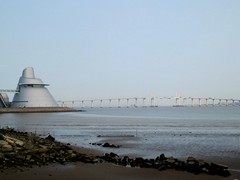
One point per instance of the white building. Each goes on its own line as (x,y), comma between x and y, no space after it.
(32,92)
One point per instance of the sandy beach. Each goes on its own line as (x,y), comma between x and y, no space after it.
(104,171)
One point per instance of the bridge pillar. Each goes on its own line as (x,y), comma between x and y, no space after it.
(206,101)
(110,100)
(119,103)
(136,99)
(226,102)
(192,101)
(200,102)
(220,101)
(152,101)
(143,102)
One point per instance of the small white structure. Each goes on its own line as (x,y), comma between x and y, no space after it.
(31,92)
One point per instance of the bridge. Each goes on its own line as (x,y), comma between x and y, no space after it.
(3,100)
(155,101)
(8,91)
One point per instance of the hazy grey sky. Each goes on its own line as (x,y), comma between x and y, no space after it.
(123,48)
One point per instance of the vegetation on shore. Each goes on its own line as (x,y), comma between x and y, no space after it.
(19,149)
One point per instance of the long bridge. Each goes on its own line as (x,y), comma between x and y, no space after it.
(155,101)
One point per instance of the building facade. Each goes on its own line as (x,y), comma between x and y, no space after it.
(32,92)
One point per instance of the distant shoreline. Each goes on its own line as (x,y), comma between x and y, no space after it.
(38,110)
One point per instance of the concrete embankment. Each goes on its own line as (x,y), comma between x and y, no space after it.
(37,110)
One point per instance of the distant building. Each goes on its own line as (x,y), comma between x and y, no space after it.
(32,92)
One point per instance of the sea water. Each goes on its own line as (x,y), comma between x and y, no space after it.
(201,132)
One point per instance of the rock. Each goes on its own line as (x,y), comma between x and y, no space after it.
(113,155)
(201,163)
(218,169)
(19,143)
(162,157)
(1,155)
(7,148)
(171,160)
(125,161)
(1,137)
(191,159)
(28,146)
(9,141)
(106,145)
(2,143)
(138,162)
(43,146)
(110,145)
(219,166)
(50,138)
(28,157)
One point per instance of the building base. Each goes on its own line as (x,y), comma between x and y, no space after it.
(38,110)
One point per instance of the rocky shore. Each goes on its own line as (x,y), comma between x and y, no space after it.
(18,149)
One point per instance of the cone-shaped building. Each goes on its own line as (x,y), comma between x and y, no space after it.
(31,92)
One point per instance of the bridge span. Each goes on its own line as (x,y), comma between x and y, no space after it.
(155,101)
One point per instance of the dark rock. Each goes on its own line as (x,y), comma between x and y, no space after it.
(110,145)
(162,157)
(219,166)
(113,155)
(219,169)
(50,138)
(1,137)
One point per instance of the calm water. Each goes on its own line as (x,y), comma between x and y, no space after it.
(176,131)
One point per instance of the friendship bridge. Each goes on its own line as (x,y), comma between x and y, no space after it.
(177,101)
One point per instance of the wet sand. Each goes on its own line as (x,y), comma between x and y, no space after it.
(105,171)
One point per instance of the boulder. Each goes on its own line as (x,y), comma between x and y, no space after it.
(219,166)
(113,155)
(191,159)
(19,143)
(2,143)
(6,148)
(50,138)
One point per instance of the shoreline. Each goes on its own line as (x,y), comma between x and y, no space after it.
(104,171)
(38,110)
(86,166)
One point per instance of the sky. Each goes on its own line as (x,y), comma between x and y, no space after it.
(123,48)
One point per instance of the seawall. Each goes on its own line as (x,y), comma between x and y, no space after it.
(37,110)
